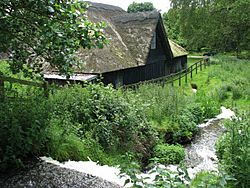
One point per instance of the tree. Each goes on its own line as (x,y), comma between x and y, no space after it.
(34,33)
(171,21)
(140,7)
(220,24)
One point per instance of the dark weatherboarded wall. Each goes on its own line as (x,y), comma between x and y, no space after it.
(158,64)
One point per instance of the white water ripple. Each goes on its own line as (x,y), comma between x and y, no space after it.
(201,152)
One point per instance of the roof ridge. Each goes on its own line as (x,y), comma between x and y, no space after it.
(98,6)
(137,16)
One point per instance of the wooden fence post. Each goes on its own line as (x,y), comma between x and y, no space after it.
(191,73)
(200,65)
(179,79)
(172,81)
(2,94)
(196,68)
(186,77)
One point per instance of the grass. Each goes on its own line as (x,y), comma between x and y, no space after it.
(191,61)
(225,71)
(172,112)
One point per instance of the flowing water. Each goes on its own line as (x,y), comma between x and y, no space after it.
(200,154)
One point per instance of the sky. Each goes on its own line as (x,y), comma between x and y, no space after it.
(162,5)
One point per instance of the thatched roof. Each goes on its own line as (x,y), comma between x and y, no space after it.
(130,37)
(177,50)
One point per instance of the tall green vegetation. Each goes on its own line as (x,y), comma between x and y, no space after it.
(233,150)
(106,116)
(175,115)
(114,126)
(140,7)
(23,124)
(217,24)
(226,82)
(74,123)
(35,32)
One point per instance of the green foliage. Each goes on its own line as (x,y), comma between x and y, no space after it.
(162,178)
(210,107)
(46,31)
(187,121)
(64,144)
(173,115)
(112,120)
(22,129)
(209,179)
(217,24)
(162,101)
(140,7)
(75,123)
(171,21)
(169,154)
(233,150)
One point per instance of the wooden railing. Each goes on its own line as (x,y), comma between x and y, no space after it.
(169,79)
(4,79)
(200,65)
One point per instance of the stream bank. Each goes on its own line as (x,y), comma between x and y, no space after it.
(200,155)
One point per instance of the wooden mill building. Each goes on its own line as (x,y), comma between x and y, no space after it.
(138,49)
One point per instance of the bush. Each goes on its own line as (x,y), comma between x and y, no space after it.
(209,179)
(64,144)
(22,129)
(169,154)
(210,107)
(237,92)
(233,150)
(114,120)
(74,123)
(162,101)
(187,121)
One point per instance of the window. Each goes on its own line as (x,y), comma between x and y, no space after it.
(153,42)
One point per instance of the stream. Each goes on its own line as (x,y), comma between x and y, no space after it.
(200,155)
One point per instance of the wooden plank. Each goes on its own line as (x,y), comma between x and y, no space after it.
(23,82)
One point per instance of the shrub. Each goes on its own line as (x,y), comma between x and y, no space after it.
(160,176)
(210,107)
(22,129)
(64,144)
(169,154)
(195,111)
(163,101)
(237,92)
(115,121)
(222,93)
(187,121)
(209,179)
(233,150)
